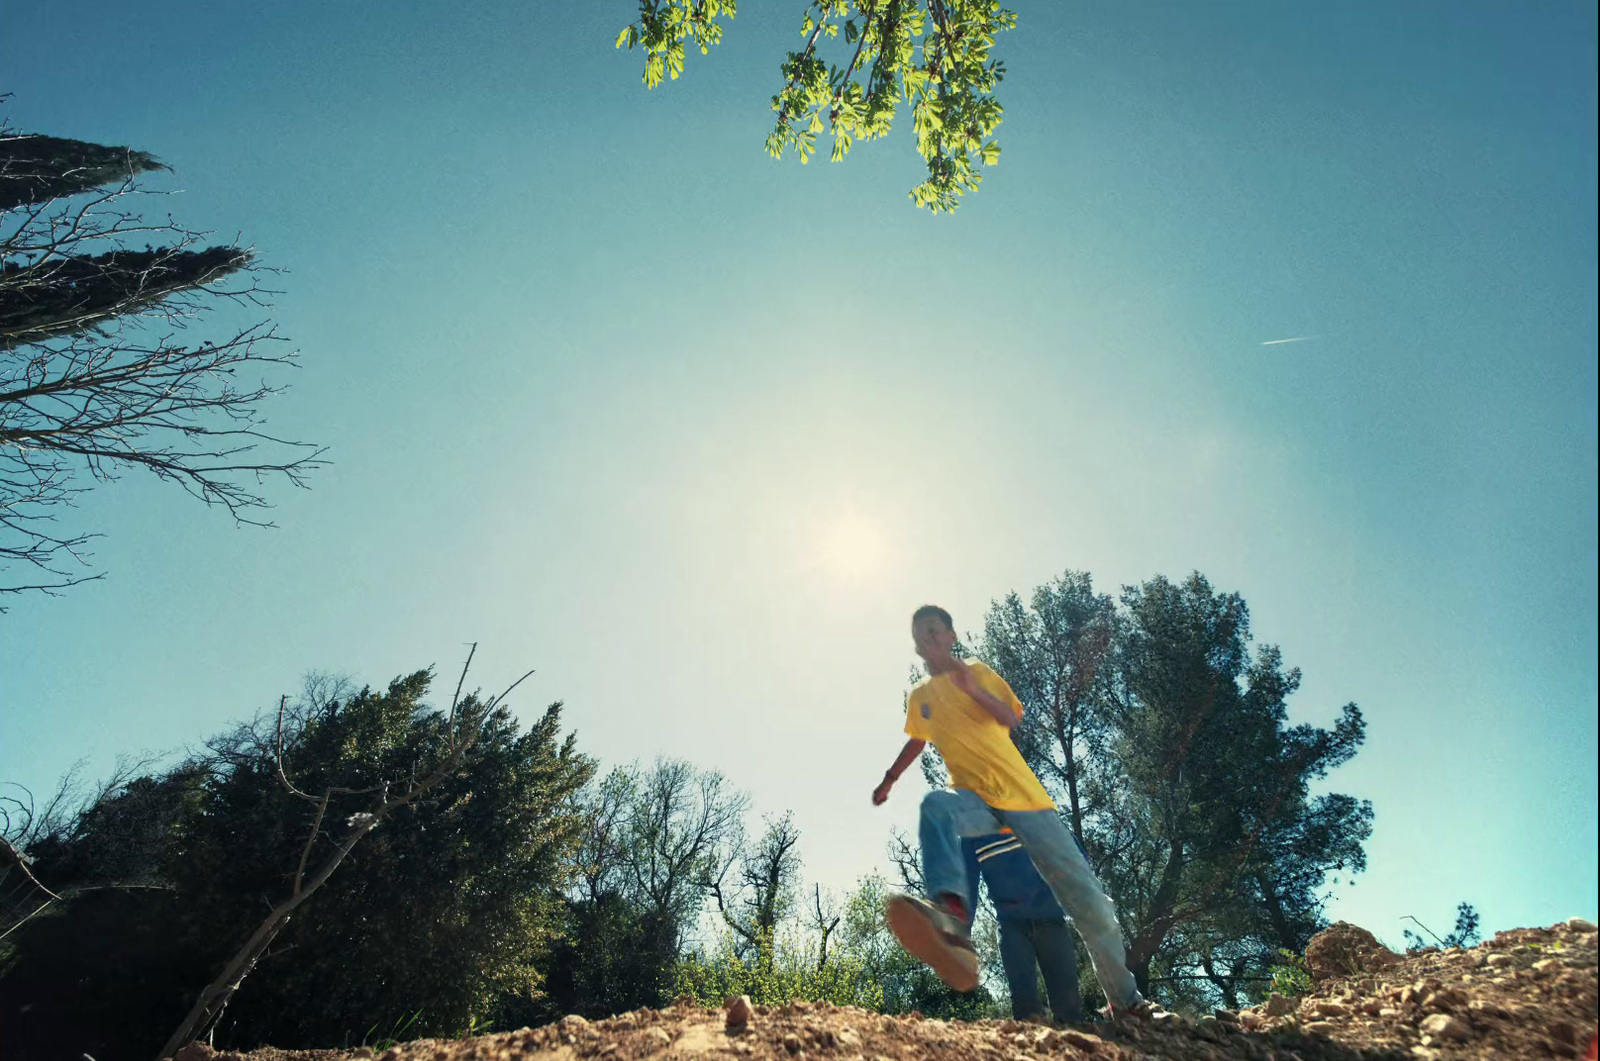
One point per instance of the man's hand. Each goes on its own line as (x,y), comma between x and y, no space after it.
(963,678)
(881,793)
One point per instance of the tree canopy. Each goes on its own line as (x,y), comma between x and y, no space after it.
(933,56)
(1168,743)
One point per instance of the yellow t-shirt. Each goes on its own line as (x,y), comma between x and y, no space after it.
(976,748)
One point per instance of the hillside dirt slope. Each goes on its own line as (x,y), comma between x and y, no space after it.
(1528,993)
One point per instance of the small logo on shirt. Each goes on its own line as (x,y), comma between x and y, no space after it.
(927,712)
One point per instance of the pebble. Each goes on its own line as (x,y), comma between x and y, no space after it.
(737,1011)
(1444,1026)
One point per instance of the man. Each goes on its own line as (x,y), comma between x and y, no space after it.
(1034,938)
(967,712)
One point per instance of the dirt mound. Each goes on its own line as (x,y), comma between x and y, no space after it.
(1528,993)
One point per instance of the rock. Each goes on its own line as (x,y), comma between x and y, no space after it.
(1277,1005)
(847,1038)
(195,1051)
(1343,949)
(658,1037)
(574,1022)
(1226,1016)
(1579,924)
(1445,998)
(791,1043)
(1547,965)
(737,1011)
(1444,1026)
(1330,1008)
(1501,960)
(1089,1044)
(1564,1032)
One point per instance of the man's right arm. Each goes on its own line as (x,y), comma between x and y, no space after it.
(907,756)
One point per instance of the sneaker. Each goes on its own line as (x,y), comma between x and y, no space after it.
(934,938)
(1143,1009)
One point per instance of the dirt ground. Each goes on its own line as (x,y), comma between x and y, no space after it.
(1528,993)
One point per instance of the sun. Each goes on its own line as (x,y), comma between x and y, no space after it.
(852,546)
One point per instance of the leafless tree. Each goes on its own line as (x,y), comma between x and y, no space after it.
(93,378)
(381,801)
(684,827)
(762,895)
(823,919)
(607,808)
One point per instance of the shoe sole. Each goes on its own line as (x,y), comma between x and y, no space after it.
(923,941)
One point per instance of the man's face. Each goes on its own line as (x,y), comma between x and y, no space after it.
(933,639)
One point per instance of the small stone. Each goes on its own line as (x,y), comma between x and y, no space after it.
(195,1051)
(1579,924)
(847,1038)
(737,1011)
(1445,998)
(1444,1026)
(1082,1040)
(1547,965)
(1424,1053)
(658,1037)
(1388,1012)
(362,1053)
(791,1043)
(1319,1027)
(1226,1016)
(1330,1008)
(574,1021)
(1501,960)
(1278,1005)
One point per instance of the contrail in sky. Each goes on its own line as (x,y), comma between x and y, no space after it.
(1296,339)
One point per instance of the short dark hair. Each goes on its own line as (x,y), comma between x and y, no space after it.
(932,609)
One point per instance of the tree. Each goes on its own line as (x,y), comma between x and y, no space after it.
(685,826)
(1465,933)
(93,378)
(652,843)
(763,894)
(931,54)
(448,905)
(1168,743)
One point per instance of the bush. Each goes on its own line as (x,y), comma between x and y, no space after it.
(1290,977)
(778,971)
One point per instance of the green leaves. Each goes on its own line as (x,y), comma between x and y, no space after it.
(931,54)
(665,25)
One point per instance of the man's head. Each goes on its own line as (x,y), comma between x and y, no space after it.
(933,633)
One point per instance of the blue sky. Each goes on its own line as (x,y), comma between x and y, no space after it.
(691,431)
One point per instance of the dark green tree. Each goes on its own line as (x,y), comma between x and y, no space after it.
(1168,743)
(447,905)
(93,378)
(931,55)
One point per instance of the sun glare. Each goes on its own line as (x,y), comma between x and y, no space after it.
(852,546)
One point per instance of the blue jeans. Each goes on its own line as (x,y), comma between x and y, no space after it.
(1031,946)
(950,814)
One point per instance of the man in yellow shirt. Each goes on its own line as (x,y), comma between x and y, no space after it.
(967,711)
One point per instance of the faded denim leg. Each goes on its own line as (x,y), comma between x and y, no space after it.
(1056,856)
(947,816)
(1058,961)
(1022,968)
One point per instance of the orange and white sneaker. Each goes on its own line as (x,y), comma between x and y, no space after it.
(935,938)
(1143,1009)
